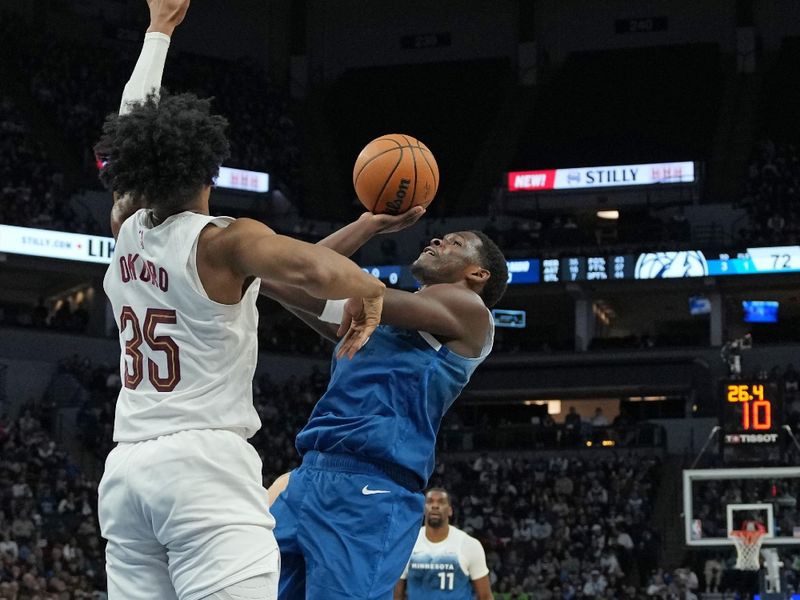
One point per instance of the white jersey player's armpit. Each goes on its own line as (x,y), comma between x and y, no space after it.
(149,69)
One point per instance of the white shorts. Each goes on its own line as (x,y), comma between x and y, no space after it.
(185,515)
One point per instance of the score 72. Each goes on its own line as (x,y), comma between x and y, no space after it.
(776,258)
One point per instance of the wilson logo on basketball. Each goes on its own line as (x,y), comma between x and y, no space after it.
(393,206)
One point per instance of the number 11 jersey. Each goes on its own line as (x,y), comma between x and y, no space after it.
(187,362)
(444,570)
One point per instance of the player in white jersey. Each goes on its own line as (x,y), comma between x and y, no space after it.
(447,563)
(182,503)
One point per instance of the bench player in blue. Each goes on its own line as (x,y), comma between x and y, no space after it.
(447,563)
(349,516)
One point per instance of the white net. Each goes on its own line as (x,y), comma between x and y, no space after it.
(747,543)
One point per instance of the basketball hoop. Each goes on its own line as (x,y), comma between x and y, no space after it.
(748,543)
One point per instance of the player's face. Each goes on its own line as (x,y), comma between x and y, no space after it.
(437,509)
(447,259)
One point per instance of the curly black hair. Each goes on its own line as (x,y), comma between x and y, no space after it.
(492,260)
(164,151)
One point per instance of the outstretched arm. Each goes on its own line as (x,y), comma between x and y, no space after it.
(345,241)
(350,238)
(165,16)
(247,248)
(447,312)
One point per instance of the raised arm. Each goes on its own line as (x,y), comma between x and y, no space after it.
(165,16)
(344,241)
(350,238)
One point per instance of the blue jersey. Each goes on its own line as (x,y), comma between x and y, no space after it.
(444,570)
(387,402)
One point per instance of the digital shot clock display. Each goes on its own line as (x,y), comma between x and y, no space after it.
(752,413)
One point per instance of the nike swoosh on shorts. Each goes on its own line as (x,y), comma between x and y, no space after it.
(368,492)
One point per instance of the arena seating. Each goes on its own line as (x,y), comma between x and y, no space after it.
(572,525)
(50,547)
(625,106)
(76,85)
(32,192)
(772,189)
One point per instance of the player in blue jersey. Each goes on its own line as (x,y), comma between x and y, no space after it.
(349,516)
(447,563)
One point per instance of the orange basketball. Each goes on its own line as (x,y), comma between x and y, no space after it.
(394,173)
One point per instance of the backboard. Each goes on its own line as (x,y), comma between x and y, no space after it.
(716,501)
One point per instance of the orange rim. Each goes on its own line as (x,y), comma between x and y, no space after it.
(748,537)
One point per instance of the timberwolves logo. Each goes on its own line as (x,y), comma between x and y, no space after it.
(671,265)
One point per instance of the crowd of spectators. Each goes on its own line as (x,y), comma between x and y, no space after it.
(565,527)
(32,190)
(711,498)
(772,194)
(562,528)
(75,84)
(50,548)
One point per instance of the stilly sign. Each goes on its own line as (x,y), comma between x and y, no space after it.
(594,177)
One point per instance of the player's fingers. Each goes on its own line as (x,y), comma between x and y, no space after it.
(346,343)
(355,340)
(415,214)
(344,326)
(362,339)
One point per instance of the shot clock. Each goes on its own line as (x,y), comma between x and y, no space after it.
(751,420)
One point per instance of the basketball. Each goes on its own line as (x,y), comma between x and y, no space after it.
(394,173)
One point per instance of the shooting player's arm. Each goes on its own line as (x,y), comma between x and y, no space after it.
(344,241)
(350,238)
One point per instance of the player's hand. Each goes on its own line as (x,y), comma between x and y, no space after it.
(361,317)
(166,15)
(393,223)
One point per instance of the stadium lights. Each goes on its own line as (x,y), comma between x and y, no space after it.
(553,406)
(604,443)
(611,215)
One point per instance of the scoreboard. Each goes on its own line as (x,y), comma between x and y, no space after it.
(588,268)
(751,420)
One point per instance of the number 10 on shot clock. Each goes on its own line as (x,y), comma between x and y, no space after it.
(751,413)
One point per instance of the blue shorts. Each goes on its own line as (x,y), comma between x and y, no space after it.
(345,530)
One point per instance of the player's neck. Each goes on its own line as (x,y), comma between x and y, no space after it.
(197,205)
(437,534)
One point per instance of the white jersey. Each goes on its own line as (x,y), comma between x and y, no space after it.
(187,362)
(444,570)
